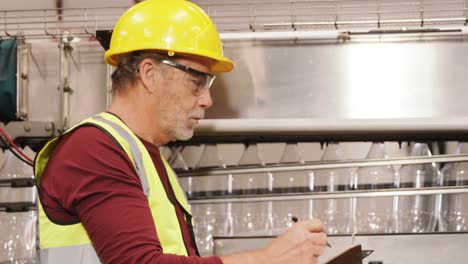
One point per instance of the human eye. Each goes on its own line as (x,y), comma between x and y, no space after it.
(197,81)
(193,84)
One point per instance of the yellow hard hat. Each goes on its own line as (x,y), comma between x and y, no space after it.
(172,26)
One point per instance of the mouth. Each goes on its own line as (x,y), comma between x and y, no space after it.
(196,117)
(195,120)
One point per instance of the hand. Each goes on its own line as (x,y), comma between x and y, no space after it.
(303,243)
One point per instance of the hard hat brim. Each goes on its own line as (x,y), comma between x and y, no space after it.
(221,63)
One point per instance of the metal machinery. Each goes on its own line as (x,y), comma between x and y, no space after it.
(309,74)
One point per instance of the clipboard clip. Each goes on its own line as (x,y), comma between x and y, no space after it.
(366,253)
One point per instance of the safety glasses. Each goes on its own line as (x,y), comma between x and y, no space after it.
(198,82)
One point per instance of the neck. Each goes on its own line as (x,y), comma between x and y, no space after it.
(130,106)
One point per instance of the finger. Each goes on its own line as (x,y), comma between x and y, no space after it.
(313,225)
(317,239)
(318,250)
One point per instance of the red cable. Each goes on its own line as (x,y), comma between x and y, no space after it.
(5,135)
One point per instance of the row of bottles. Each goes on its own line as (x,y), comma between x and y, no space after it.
(17,229)
(407,214)
(324,180)
(18,237)
(418,213)
(399,214)
(455,207)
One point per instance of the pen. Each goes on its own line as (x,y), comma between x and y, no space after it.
(294,219)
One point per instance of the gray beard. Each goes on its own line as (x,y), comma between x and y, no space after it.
(183,134)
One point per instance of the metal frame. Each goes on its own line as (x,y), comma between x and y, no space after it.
(330,165)
(251,16)
(17,207)
(49,23)
(64,83)
(22,78)
(327,165)
(17,182)
(324,165)
(336,195)
(33,130)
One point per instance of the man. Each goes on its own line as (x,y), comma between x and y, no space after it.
(107,195)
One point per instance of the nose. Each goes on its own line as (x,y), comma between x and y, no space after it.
(205,101)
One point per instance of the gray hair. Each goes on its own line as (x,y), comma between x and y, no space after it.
(127,68)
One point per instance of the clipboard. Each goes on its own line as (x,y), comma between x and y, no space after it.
(352,255)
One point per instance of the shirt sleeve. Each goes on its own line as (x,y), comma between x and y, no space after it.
(90,179)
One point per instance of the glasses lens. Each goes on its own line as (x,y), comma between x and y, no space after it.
(200,82)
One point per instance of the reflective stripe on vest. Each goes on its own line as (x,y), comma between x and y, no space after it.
(164,215)
(82,254)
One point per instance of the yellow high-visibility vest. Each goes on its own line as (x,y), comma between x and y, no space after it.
(60,240)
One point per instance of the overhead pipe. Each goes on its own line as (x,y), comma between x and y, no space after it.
(280,35)
(218,127)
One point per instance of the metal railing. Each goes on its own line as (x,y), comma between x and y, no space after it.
(244,16)
(333,195)
(323,165)
(352,193)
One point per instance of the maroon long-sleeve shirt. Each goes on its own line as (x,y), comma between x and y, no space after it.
(89,179)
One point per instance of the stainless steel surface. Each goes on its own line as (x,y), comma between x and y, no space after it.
(335,195)
(379,77)
(320,82)
(87,77)
(391,249)
(321,87)
(326,165)
(325,89)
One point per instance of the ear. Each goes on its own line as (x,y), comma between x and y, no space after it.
(149,75)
